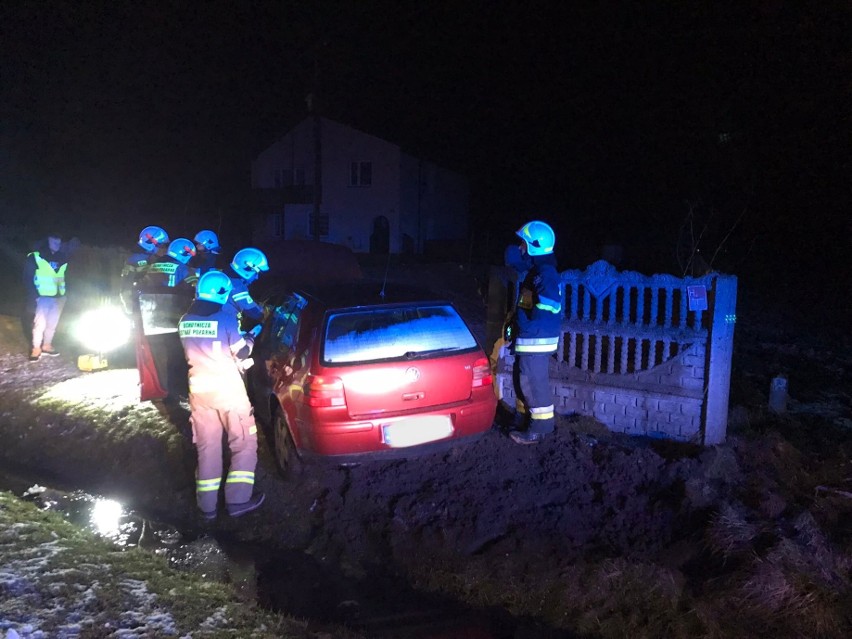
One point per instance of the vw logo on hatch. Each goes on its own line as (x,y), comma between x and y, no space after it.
(412,374)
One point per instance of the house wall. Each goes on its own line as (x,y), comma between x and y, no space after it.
(420,200)
(434,202)
(411,213)
(294,150)
(445,203)
(353,209)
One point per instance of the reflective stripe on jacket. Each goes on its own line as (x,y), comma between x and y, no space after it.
(536,344)
(49,282)
(242,301)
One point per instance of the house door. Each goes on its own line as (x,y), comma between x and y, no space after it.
(380,237)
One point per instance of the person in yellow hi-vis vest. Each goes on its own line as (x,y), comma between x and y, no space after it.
(217,354)
(44,275)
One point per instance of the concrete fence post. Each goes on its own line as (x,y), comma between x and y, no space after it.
(719,353)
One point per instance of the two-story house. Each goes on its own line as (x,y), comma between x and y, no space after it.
(324,180)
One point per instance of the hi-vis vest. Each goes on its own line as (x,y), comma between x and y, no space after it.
(48,282)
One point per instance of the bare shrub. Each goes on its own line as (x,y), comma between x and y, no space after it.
(623,598)
(802,585)
(730,533)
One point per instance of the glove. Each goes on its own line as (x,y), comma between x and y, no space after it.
(508,332)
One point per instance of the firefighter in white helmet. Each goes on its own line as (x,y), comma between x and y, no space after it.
(172,270)
(165,292)
(152,245)
(217,353)
(207,255)
(535,330)
(153,242)
(247,265)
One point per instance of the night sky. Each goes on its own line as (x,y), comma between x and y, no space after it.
(612,120)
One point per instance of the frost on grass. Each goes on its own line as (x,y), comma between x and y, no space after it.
(108,401)
(57,580)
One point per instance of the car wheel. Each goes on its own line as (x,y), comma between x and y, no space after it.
(288,460)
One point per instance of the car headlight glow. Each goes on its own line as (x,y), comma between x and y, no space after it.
(103,329)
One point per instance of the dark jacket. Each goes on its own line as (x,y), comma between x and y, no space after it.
(167,272)
(539,311)
(242,303)
(204,261)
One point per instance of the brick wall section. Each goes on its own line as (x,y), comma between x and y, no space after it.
(665,401)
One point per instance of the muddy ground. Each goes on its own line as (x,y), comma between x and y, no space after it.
(593,532)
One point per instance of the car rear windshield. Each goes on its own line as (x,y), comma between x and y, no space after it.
(388,333)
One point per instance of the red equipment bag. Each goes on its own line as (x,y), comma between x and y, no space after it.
(149,381)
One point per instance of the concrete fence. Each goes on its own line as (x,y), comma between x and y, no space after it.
(644,355)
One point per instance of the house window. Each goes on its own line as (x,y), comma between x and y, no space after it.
(290,177)
(360,174)
(277,224)
(318,223)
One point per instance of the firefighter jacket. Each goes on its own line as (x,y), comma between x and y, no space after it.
(48,273)
(242,304)
(137,262)
(216,353)
(204,261)
(539,308)
(167,272)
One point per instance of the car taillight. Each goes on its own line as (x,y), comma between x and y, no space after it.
(481,373)
(324,391)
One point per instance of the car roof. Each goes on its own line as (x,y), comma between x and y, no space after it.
(365,292)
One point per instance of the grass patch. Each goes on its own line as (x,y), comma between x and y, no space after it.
(63,580)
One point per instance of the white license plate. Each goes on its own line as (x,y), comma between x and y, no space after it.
(417,430)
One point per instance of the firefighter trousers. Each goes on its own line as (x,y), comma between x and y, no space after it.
(532,386)
(209,422)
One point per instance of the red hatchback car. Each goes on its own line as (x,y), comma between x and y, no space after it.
(360,370)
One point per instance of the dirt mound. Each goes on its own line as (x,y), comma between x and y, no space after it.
(595,532)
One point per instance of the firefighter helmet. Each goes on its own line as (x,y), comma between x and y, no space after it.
(181,249)
(214,286)
(208,239)
(151,237)
(538,236)
(249,262)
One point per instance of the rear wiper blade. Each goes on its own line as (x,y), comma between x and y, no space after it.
(419,354)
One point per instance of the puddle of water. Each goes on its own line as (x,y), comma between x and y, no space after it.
(290,582)
(380,606)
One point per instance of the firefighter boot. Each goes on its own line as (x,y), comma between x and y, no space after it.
(35,354)
(237,510)
(525,437)
(48,350)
